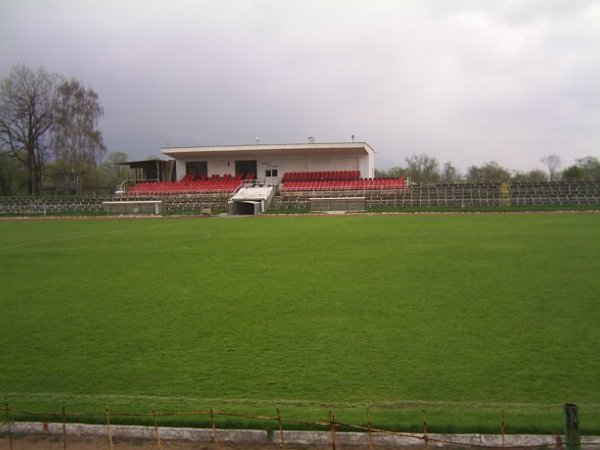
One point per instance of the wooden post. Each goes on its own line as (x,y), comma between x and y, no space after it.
(158,444)
(502,428)
(333,436)
(369,425)
(572,436)
(110,439)
(425,430)
(64,427)
(8,425)
(214,428)
(282,442)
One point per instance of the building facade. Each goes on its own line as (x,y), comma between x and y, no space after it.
(269,161)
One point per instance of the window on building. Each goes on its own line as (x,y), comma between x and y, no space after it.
(196,168)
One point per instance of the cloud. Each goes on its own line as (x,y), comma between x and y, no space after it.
(466,81)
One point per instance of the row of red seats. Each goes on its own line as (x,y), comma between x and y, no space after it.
(188,184)
(321,175)
(360,184)
(181,188)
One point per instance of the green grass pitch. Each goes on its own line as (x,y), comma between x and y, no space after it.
(457,315)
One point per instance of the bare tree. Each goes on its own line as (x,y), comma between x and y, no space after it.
(40,111)
(553,163)
(27,102)
(422,168)
(76,139)
(449,173)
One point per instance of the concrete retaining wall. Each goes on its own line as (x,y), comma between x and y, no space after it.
(299,438)
(137,432)
(338,204)
(49,205)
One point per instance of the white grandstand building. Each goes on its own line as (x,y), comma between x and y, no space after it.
(269,162)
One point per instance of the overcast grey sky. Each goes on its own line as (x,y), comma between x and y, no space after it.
(465,81)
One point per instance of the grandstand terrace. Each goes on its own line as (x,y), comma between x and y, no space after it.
(555,193)
(457,195)
(453,195)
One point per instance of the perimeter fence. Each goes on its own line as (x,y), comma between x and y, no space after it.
(273,430)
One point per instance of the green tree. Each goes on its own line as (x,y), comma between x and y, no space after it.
(532,175)
(13,176)
(585,169)
(112,171)
(490,172)
(573,173)
(394,172)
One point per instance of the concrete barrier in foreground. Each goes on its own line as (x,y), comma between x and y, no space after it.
(301,438)
(137,432)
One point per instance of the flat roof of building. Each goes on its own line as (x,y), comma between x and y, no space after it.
(305,149)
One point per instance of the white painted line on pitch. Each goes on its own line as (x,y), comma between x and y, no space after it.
(67,238)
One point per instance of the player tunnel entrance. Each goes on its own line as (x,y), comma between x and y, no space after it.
(245,208)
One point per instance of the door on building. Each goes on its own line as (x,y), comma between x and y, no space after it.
(245,167)
(272,176)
